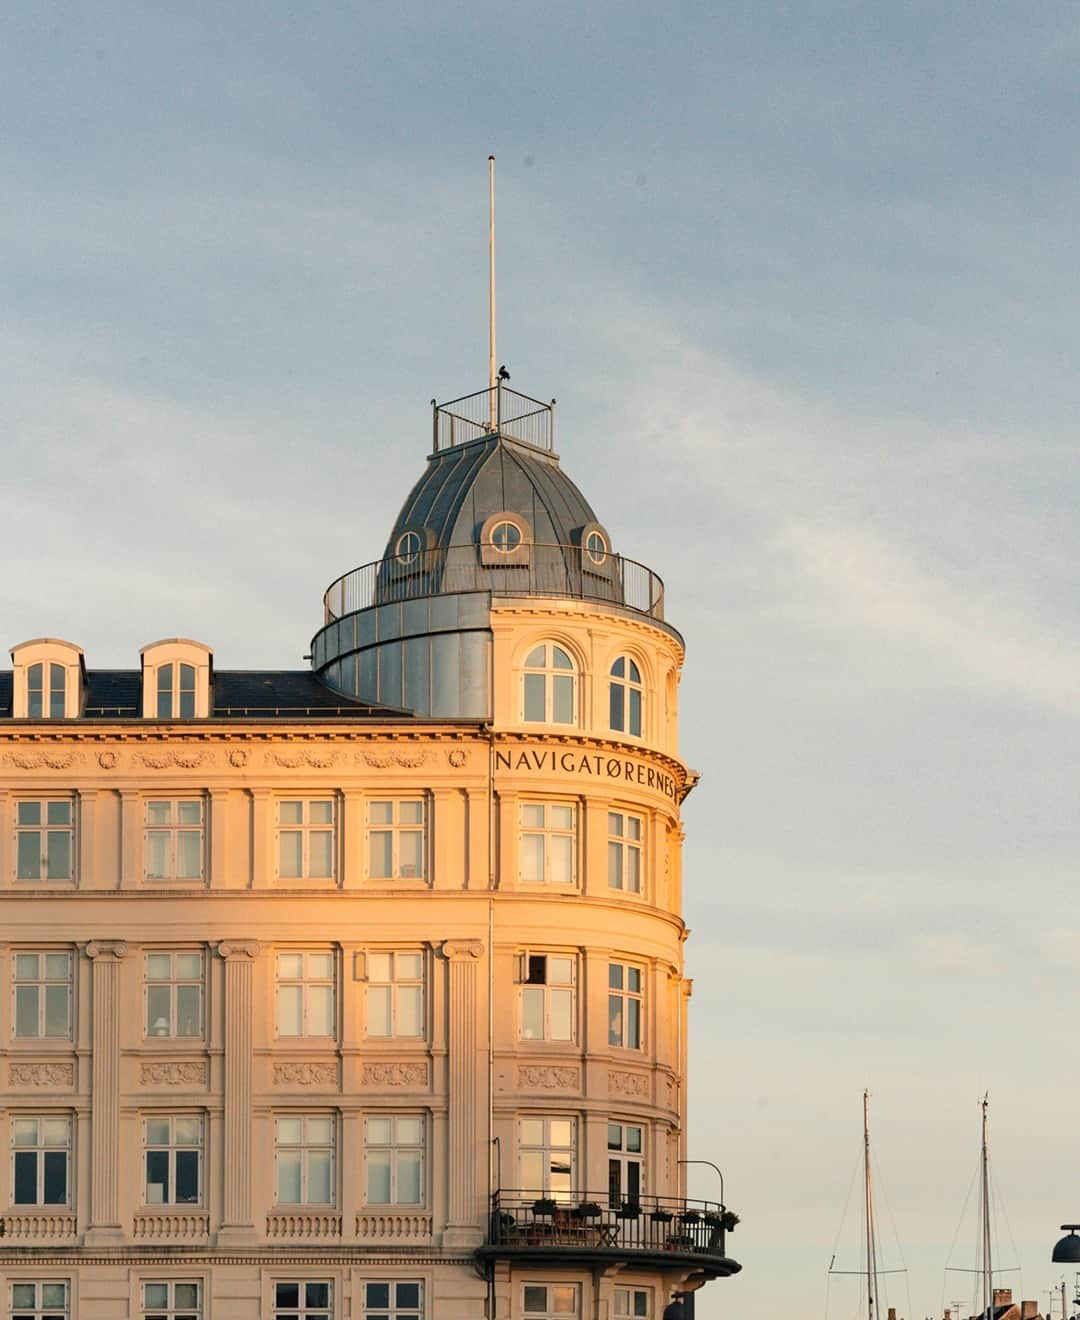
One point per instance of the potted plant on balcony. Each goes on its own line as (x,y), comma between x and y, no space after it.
(689,1217)
(728,1220)
(628,1210)
(544,1206)
(587,1210)
(661,1216)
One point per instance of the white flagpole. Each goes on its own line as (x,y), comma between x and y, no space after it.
(493,378)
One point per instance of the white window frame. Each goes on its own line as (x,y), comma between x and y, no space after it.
(173,1147)
(174,981)
(306,828)
(626,1303)
(395,985)
(623,1157)
(548,831)
(304,1310)
(172,1310)
(548,1149)
(39,1308)
(551,675)
(41,982)
(46,693)
(627,687)
(549,1312)
(624,995)
(306,982)
(173,829)
(171,696)
(623,846)
(528,967)
(44,829)
(396,1148)
(40,1147)
(394,1309)
(397,829)
(306,1147)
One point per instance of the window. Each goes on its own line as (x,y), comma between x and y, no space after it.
(44,839)
(305,990)
(408,547)
(43,995)
(549,686)
(175,1299)
(625,697)
(396,839)
(303,1300)
(174,988)
(40,1300)
(46,692)
(624,1006)
(395,994)
(395,1161)
(624,1164)
(42,1158)
(174,1160)
(546,1150)
(624,851)
(174,839)
(550,1301)
(506,536)
(548,853)
(547,997)
(176,691)
(632,1302)
(304,1159)
(596,547)
(400,1300)
(306,839)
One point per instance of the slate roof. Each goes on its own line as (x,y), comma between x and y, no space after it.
(236,693)
(462,487)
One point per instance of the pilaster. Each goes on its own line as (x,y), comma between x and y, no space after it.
(466,1092)
(237,1224)
(104,1228)
(130,839)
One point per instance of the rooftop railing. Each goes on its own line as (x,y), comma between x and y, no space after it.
(499,410)
(590,1223)
(550,570)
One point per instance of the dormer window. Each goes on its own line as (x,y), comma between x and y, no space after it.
(176,692)
(49,679)
(505,540)
(176,680)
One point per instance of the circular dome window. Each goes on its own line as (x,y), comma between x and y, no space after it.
(506,537)
(596,547)
(408,547)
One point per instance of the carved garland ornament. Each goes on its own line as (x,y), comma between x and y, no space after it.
(42,760)
(107,759)
(383,760)
(457,758)
(321,759)
(172,1074)
(186,758)
(305,1074)
(41,1074)
(395,1074)
(627,1083)
(531,1076)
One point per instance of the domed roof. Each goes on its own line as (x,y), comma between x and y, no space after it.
(464,486)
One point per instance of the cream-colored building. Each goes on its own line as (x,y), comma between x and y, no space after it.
(358,992)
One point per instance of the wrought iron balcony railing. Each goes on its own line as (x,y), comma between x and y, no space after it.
(497,411)
(669,1230)
(548,570)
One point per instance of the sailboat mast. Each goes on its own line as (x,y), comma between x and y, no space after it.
(987,1263)
(871,1245)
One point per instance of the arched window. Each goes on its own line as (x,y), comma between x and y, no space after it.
(176,692)
(550,686)
(624,696)
(45,702)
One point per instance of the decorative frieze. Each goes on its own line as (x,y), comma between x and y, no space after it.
(190,1073)
(170,1227)
(26,1228)
(393,1228)
(535,1076)
(315,758)
(305,1074)
(167,758)
(57,1075)
(52,759)
(628,1084)
(383,760)
(394,1074)
(304,1227)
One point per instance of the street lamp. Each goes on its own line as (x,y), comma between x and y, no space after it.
(1067,1250)
(711,1165)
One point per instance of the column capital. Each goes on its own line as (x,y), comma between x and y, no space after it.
(462,950)
(238,950)
(107,949)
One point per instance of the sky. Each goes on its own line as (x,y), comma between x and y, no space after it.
(803,279)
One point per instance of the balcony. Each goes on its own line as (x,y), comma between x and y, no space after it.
(655,1232)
